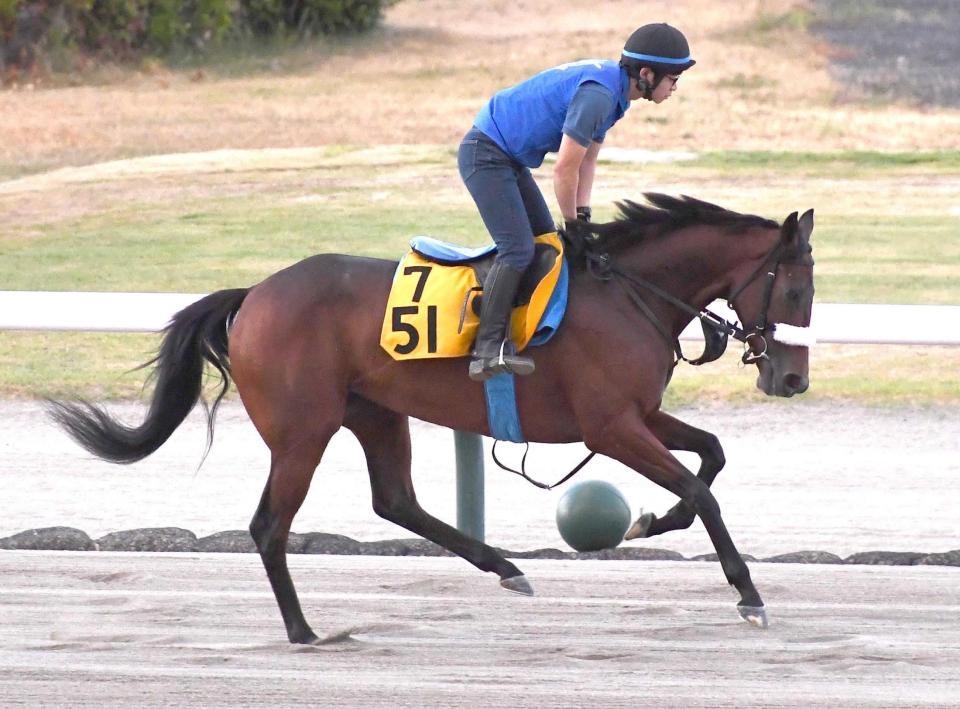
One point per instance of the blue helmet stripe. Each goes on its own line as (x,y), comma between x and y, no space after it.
(654,58)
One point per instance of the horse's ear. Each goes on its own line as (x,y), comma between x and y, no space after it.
(805,226)
(789,229)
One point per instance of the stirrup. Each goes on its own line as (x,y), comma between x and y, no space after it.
(483,368)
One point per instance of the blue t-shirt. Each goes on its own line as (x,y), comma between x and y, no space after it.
(582,99)
(587,113)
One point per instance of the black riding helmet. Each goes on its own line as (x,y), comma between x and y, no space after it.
(660,47)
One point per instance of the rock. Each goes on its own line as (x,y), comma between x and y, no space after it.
(55,538)
(715,557)
(388,547)
(296,543)
(150,539)
(947,558)
(805,557)
(323,543)
(632,554)
(234,541)
(421,547)
(540,554)
(885,558)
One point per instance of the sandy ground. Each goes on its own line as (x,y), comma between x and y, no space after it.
(799,476)
(101,629)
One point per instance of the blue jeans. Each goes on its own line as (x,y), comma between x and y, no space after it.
(510,203)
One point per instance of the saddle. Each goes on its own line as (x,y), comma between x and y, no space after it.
(434,305)
(480,259)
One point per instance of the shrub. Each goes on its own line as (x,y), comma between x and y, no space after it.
(309,17)
(34,31)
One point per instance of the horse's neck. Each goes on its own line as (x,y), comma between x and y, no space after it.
(698,266)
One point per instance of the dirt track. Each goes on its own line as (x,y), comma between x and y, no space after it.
(104,629)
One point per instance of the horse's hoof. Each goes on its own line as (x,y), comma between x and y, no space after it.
(641,526)
(755,615)
(518,584)
(307,638)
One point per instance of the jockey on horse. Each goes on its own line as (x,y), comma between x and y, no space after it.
(567,109)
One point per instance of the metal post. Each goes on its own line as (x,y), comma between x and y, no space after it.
(470,512)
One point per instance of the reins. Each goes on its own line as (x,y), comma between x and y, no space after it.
(716,329)
(600,266)
(523,468)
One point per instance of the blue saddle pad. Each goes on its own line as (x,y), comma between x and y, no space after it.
(442,252)
(500,391)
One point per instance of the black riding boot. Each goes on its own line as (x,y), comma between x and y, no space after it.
(493,350)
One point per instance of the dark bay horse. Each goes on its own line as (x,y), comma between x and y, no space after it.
(302,348)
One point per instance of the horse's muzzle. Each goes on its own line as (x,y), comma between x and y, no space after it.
(793,384)
(785,386)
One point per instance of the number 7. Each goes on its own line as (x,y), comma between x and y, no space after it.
(424,271)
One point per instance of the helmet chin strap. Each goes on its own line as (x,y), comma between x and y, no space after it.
(644,87)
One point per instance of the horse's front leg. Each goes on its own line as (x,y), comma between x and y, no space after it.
(677,435)
(629,440)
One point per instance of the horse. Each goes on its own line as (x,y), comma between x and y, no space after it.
(302,349)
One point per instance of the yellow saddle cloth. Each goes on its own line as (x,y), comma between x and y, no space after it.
(428,300)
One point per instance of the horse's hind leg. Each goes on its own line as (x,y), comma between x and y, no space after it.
(677,435)
(291,469)
(385,438)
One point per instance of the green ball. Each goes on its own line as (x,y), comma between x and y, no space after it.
(593,515)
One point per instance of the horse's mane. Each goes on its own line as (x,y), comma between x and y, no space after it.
(665,214)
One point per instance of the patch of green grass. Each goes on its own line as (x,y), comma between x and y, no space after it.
(909,260)
(99,366)
(237,242)
(230,243)
(876,375)
(845,163)
(852,12)
(93,366)
(764,28)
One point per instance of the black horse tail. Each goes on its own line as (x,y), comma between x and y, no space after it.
(195,335)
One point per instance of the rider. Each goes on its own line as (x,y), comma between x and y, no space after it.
(567,109)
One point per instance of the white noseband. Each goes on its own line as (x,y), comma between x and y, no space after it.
(793,335)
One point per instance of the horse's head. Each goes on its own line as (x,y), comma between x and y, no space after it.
(774,304)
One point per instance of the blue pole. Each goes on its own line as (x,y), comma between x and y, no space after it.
(470,507)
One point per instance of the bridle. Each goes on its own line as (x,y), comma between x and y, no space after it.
(757,332)
(716,329)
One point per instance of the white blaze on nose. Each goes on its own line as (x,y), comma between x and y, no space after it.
(793,335)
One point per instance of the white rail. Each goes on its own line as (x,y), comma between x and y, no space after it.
(149,312)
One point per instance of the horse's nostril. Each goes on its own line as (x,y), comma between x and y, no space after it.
(795,384)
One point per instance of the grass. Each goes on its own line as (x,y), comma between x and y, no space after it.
(840,163)
(767,28)
(231,243)
(872,375)
(868,259)
(94,366)
(169,241)
(102,366)
(196,232)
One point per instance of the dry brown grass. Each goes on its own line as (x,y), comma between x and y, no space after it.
(423,75)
